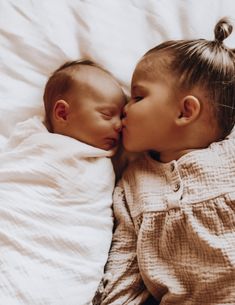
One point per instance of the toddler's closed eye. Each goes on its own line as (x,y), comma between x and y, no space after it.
(138,98)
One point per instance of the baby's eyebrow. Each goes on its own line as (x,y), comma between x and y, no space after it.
(109,108)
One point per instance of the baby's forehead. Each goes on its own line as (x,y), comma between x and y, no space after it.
(98,84)
(87,74)
(95,79)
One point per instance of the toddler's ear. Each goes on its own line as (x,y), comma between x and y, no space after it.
(61,110)
(189,110)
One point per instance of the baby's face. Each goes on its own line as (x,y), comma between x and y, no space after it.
(96,112)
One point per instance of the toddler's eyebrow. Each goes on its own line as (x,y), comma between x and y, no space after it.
(137,88)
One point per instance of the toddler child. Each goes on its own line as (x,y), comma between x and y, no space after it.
(56,191)
(175,206)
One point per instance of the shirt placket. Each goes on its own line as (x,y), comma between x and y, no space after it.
(175,186)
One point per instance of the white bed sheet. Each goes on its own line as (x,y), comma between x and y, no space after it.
(38,36)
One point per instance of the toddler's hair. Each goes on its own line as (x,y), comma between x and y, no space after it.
(60,84)
(208,64)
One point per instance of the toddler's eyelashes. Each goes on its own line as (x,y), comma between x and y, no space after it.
(137,98)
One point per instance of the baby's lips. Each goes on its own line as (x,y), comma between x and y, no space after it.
(112,141)
(115,141)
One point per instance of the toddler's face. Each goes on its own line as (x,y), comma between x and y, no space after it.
(148,121)
(95,118)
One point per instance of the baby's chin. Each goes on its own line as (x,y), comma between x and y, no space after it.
(110,145)
(112,150)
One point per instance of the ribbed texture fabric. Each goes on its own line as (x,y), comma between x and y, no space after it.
(175,231)
(55,217)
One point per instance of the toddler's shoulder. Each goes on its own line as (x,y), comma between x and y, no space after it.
(225,148)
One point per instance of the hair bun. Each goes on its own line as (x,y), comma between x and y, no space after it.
(223,29)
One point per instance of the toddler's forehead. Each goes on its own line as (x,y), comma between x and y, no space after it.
(150,67)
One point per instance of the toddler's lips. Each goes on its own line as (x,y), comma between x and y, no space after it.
(124,122)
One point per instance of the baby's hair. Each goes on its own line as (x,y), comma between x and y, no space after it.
(208,64)
(60,84)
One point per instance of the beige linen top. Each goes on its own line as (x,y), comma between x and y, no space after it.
(175,231)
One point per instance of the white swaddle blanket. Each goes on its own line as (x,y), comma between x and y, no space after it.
(55,217)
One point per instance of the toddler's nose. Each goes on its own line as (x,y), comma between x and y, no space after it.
(125,109)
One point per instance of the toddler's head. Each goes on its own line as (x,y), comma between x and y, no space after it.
(183,95)
(83,101)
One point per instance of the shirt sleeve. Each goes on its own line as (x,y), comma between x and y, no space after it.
(122,283)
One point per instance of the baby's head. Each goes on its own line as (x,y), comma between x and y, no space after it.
(83,101)
(183,95)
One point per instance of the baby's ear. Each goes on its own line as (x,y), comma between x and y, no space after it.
(61,110)
(189,110)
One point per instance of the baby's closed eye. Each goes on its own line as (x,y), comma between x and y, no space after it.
(106,115)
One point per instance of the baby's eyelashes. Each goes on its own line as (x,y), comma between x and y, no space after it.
(106,115)
(111,116)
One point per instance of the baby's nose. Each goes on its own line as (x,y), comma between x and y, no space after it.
(118,125)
